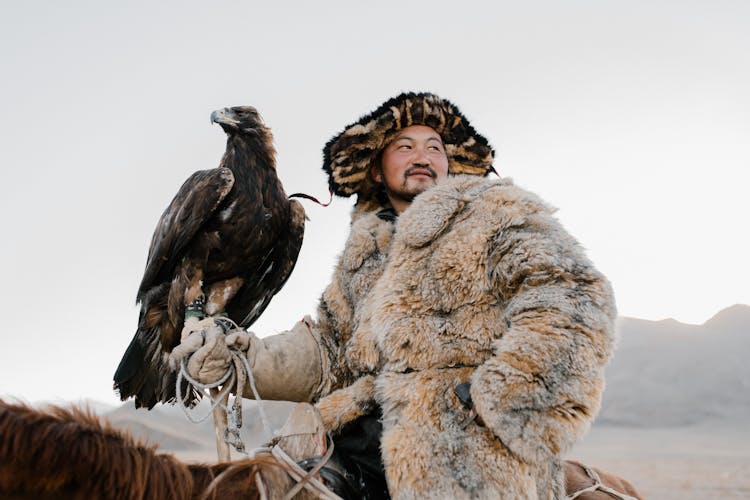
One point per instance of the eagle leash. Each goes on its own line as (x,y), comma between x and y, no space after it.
(228,422)
(227,418)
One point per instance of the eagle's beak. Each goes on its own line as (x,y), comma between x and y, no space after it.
(224,116)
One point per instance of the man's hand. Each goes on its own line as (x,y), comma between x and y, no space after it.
(204,341)
(462,392)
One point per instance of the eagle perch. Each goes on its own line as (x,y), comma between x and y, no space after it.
(229,239)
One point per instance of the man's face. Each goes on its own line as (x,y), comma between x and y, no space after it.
(414,161)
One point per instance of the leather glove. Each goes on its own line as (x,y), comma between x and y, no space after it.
(205,342)
(243,341)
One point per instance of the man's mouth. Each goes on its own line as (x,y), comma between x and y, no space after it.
(421,172)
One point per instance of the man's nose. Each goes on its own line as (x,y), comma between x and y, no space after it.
(421,157)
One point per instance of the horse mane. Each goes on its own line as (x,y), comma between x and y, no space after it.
(59,451)
(70,453)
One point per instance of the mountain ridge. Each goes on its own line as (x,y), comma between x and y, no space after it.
(670,373)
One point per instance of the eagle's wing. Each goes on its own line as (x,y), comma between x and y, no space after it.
(191,207)
(268,278)
(143,370)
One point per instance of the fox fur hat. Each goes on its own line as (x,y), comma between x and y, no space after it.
(348,157)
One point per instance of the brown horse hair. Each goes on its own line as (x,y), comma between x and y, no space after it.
(70,453)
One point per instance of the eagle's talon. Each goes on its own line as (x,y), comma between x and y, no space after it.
(224,323)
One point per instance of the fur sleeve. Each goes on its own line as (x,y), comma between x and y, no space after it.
(542,387)
(347,404)
(334,327)
(339,313)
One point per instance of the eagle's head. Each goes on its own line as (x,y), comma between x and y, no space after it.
(243,119)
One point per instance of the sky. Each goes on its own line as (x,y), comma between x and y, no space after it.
(631,117)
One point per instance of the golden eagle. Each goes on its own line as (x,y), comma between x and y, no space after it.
(228,241)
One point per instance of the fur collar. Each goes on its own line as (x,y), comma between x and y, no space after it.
(433,211)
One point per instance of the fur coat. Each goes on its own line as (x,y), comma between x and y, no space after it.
(475,282)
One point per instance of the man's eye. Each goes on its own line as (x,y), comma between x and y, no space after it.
(404,146)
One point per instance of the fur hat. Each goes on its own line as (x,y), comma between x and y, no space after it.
(348,157)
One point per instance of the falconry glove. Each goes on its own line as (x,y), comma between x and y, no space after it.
(286,367)
(204,341)
(242,340)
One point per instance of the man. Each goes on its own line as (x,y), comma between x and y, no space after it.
(460,315)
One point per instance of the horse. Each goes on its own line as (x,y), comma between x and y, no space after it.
(70,453)
(56,453)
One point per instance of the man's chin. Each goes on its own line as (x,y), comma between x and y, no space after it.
(417,185)
(411,189)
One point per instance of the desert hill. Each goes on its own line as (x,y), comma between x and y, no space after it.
(675,411)
(170,428)
(669,373)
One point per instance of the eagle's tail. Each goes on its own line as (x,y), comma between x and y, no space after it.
(144,373)
(135,376)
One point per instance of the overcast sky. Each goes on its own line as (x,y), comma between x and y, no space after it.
(632,117)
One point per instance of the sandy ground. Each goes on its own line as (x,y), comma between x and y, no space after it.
(692,462)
